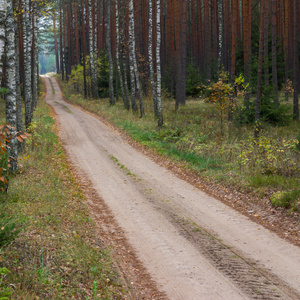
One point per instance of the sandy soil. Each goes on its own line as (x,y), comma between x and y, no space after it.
(170,239)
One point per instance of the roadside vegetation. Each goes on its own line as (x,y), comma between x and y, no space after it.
(49,248)
(200,136)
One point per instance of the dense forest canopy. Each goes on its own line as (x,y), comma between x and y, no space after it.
(141,47)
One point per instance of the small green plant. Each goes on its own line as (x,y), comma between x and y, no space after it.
(288,200)
(5,291)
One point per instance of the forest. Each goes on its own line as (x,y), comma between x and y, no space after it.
(212,85)
(223,50)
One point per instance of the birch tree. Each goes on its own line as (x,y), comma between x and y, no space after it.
(27,29)
(35,63)
(93,53)
(11,101)
(151,64)
(158,66)
(2,34)
(135,81)
(110,60)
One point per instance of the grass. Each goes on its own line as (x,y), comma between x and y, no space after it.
(57,254)
(193,137)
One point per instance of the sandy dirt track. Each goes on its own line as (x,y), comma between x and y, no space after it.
(188,244)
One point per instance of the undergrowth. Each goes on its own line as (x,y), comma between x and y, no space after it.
(57,253)
(233,158)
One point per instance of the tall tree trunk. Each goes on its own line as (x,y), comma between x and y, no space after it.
(134,77)
(55,43)
(124,95)
(77,50)
(35,57)
(27,63)
(266,44)
(11,100)
(110,60)
(158,66)
(207,35)
(61,41)
(260,69)
(20,125)
(3,10)
(83,46)
(93,54)
(247,16)
(274,51)
(150,54)
(296,64)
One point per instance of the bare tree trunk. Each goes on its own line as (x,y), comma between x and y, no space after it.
(296,64)
(3,9)
(158,66)
(93,54)
(35,66)
(55,43)
(124,96)
(20,125)
(260,69)
(133,83)
(27,63)
(11,100)
(110,60)
(274,51)
(61,41)
(150,53)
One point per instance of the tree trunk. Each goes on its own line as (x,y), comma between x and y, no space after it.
(77,52)
(35,57)
(158,66)
(260,68)
(110,60)
(11,100)
(274,51)
(296,64)
(55,44)
(93,54)
(20,125)
(150,54)
(124,95)
(27,63)
(61,41)
(266,44)
(133,78)
(83,46)
(3,10)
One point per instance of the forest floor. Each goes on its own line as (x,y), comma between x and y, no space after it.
(170,239)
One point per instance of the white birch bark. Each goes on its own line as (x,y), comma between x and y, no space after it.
(158,66)
(131,55)
(11,101)
(20,125)
(150,53)
(110,60)
(3,9)
(124,96)
(27,62)
(93,56)
(35,60)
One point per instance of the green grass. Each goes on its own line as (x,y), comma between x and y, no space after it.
(56,254)
(192,136)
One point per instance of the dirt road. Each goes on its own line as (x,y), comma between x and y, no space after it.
(172,240)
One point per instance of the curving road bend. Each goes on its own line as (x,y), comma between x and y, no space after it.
(193,246)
